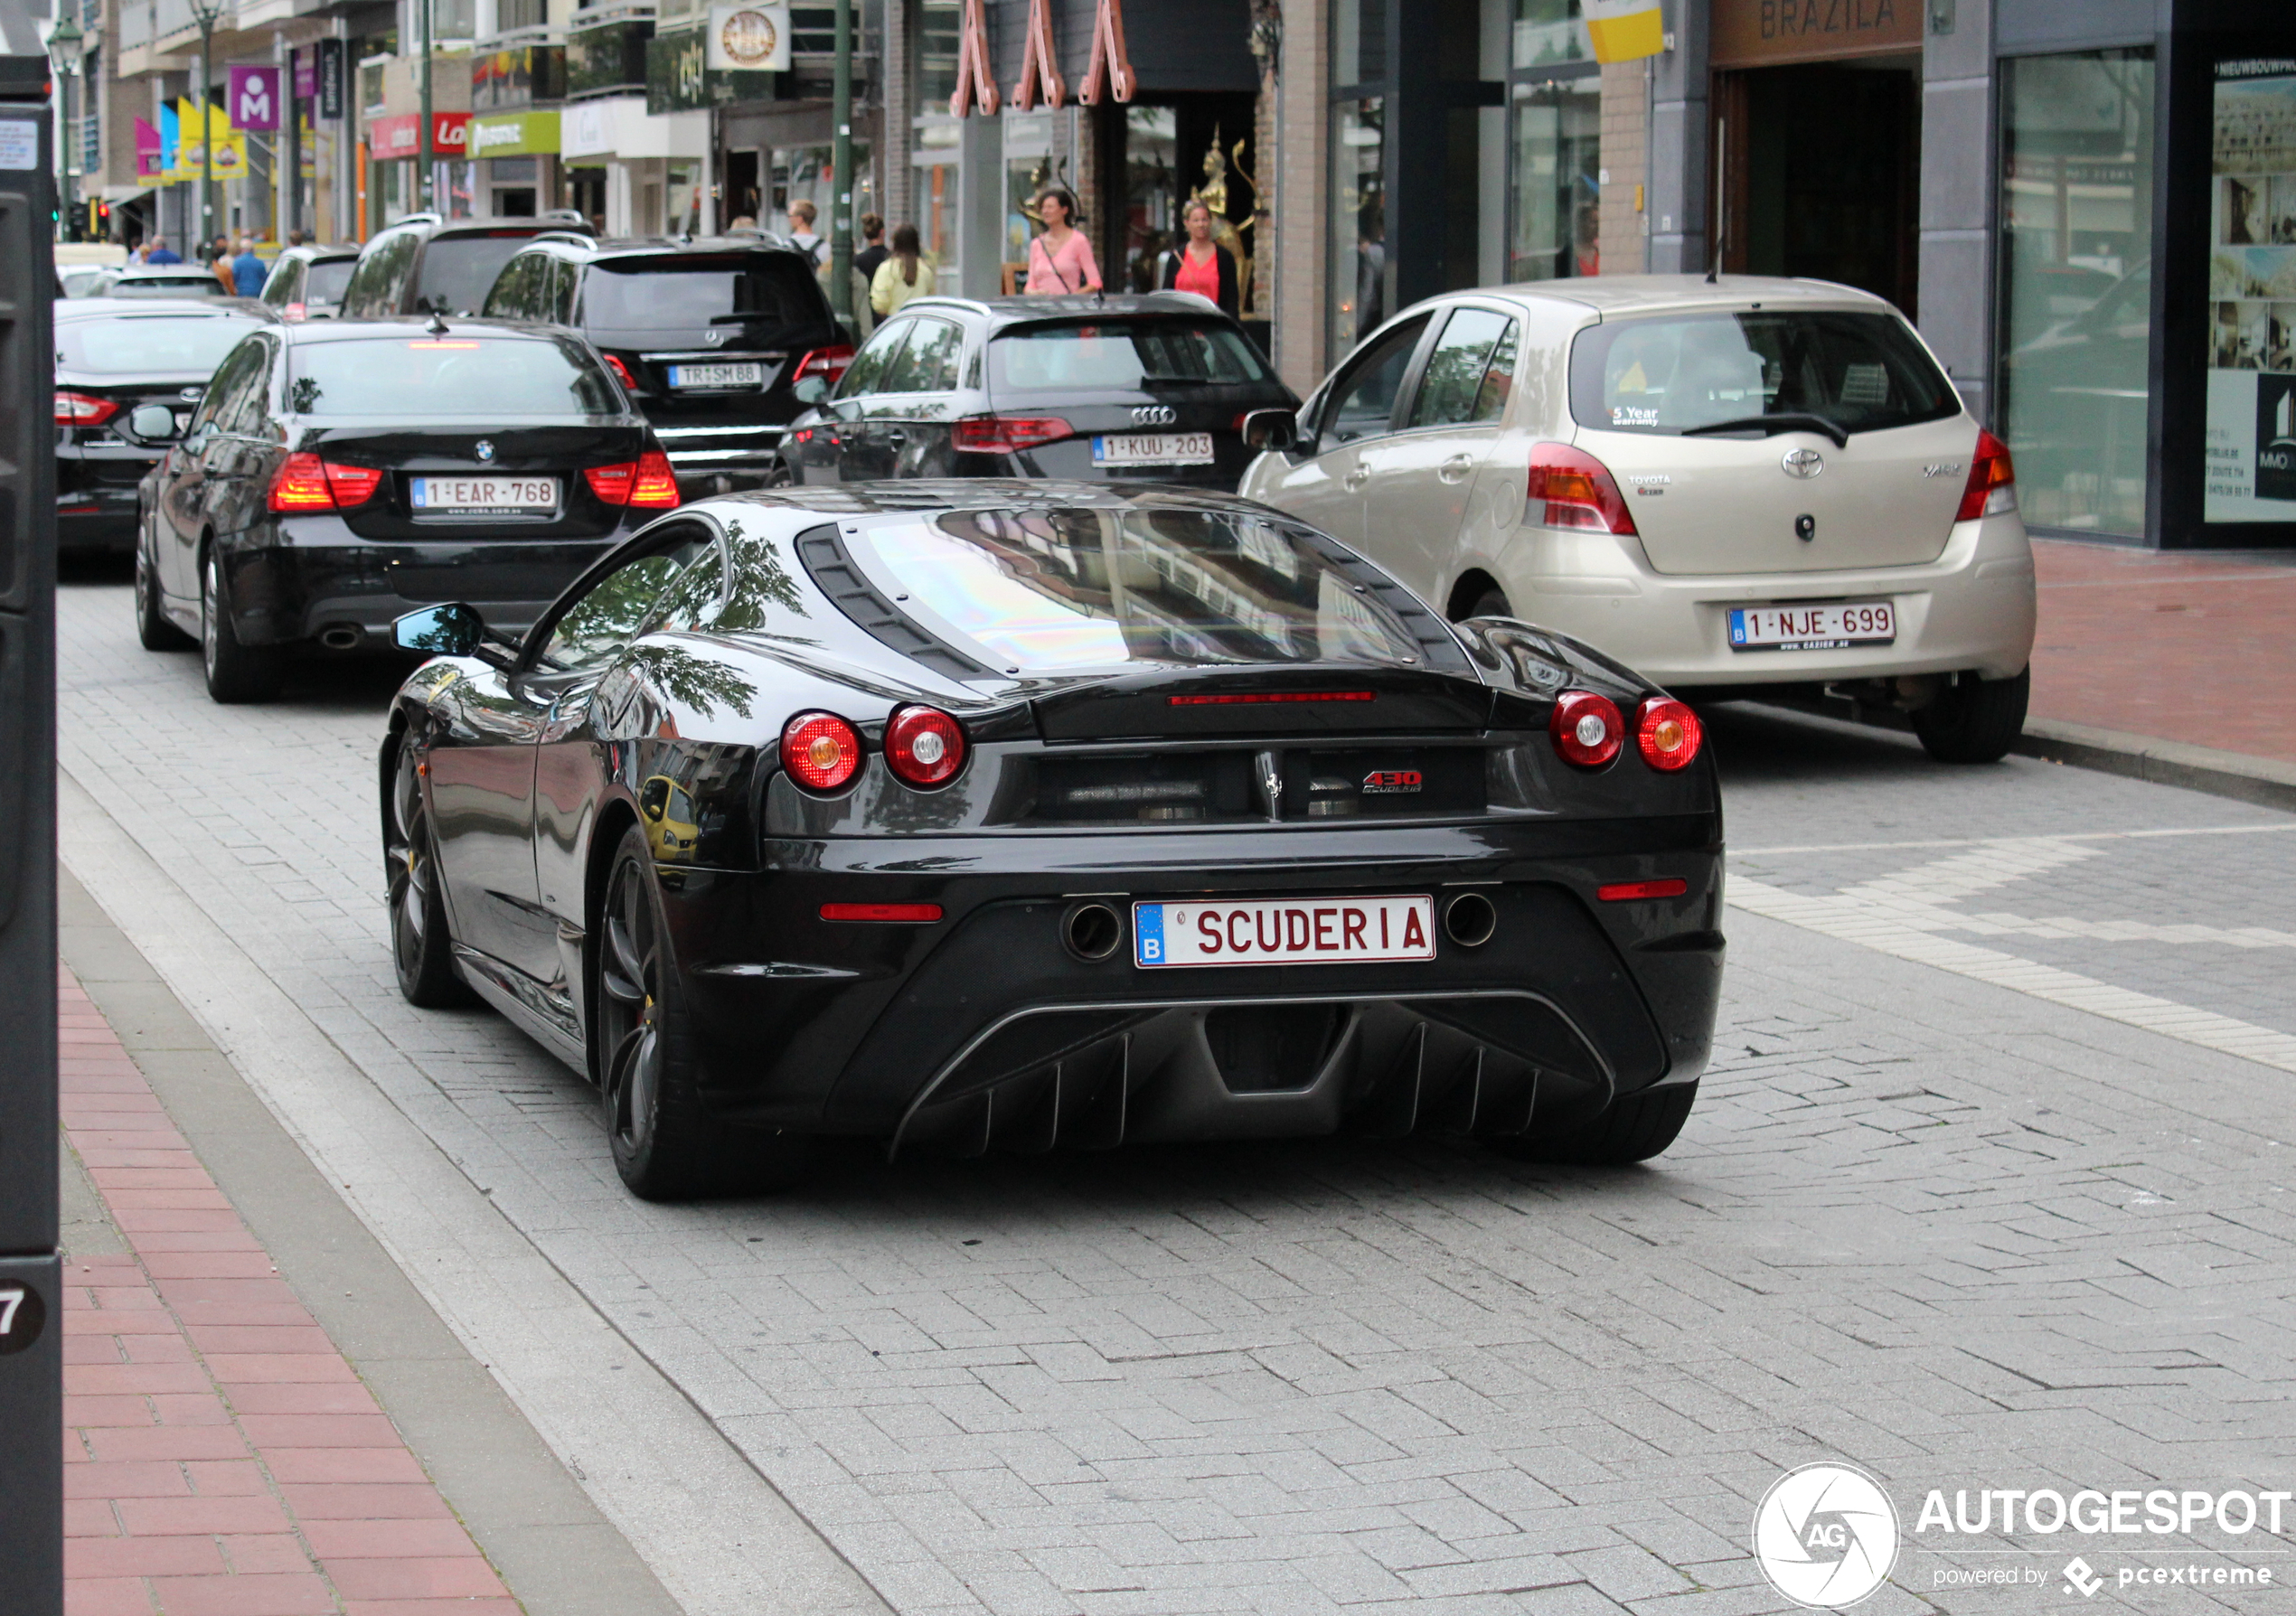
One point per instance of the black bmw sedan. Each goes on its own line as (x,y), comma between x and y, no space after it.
(337,474)
(1146,388)
(986,814)
(110,358)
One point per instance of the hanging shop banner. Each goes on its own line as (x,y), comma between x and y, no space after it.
(329,71)
(219,147)
(515,133)
(150,148)
(1624,29)
(254,98)
(306,73)
(749,39)
(389,138)
(2252,290)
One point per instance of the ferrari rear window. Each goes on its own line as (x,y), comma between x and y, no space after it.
(1705,373)
(1053,591)
(1121,356)
(416,374)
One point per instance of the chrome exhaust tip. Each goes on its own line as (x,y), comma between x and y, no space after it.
(1470,919)
(341,636)
(1091,931)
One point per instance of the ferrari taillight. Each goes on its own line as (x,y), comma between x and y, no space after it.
(1668,732)
(924,745)
(83,409)
(1993,481)
(1007,433)
(821,750)
(1587,728)
(1570,488)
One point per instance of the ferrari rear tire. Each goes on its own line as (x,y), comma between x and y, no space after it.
(1974,721)
(422,945)
(235,671)
(1630,1130)
(153,628)
(666,1146)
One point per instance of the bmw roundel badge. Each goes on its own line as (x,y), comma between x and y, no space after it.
(484,449)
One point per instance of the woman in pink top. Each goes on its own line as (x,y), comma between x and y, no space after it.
(1060,259)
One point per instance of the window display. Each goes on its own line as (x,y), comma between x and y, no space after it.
(2252,292)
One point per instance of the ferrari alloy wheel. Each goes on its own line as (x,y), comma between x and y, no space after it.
(421,945)
(1973,719)
(235,671)
(154,627)
(1630,1130)
(665,1145)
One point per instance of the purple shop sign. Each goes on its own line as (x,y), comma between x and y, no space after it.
(307,74)
(255,98)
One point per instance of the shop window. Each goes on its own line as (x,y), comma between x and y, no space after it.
(1152,191)
(2252,293)
(1547,34)
(1556,209)
(2076,212)
(1358,277)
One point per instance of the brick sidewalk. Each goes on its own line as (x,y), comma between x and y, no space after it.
(221,1457)
(2177,645)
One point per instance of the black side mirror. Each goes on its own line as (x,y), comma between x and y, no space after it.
(810,390)
(153,423)
(1265,429)
(454,629)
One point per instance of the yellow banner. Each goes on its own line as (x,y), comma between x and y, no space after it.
(229,143)
(1624,29)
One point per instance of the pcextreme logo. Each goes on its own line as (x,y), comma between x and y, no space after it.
(1826,1535)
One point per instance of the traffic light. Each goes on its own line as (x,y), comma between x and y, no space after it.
(99,220)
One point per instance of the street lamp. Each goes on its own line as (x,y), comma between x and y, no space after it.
(65,42)
(206,13)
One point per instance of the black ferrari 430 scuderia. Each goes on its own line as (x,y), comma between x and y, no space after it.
(978,814)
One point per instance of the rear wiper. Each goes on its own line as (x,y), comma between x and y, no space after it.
(1771,424)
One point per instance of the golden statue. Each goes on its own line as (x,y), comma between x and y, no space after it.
(1213,194)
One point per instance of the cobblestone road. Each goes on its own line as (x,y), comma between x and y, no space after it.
(1986,1188)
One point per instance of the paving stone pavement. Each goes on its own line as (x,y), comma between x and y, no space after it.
(1953,1232)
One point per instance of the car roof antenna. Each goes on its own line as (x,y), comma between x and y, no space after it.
(438,326)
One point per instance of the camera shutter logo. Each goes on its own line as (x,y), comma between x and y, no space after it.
(1826,1535)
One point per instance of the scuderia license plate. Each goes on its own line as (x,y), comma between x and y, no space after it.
(1319,931)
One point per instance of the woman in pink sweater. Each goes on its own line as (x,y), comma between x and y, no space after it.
(1060,261)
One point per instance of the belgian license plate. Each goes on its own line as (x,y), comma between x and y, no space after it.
(1812,627)
(727,375)
(1152,448)
(484,496)
(1317,931)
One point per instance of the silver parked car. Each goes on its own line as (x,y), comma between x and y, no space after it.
(1753,483)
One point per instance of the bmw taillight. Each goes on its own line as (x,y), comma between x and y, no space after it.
(924,745)
(1008,434)
(821,751)
(1668,732)
(621,373)
(828,363)
(83,409)
(1587,728)
(649,482)
(1992,488)
(1570,488)
(305,483)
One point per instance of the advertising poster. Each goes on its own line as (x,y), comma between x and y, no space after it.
(2252,294)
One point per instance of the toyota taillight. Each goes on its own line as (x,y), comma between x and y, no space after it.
(1668,732)
(82,410)
(828,363)
(1587,728)
(1992,488)
(621,373)
(1008,434)
(821,751)
(924,745)
(305,483)
(648,482)
(1570,488)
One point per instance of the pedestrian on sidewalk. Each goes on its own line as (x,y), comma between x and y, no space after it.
(802,214)
(902,275)
(248,271)
(1199,264)
(161,253)
(219,265)
(868,258)
(1060,261)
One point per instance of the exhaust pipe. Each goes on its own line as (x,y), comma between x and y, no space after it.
(1092,931)
(1470,919)
(341,636)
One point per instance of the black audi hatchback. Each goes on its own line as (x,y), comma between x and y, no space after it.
(339,474)
(1150,388)
(710,337)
